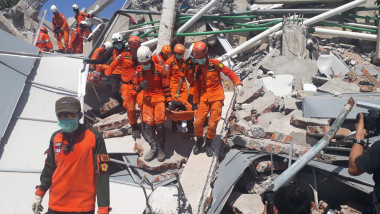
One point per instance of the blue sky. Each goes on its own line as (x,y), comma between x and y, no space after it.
(65,7)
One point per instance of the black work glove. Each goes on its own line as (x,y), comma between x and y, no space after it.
(69,50)
(143,86)
(268,196)
(106,80)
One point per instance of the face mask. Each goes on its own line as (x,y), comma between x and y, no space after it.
(200,61)
(146,67)
(118,46)
(68,125)
(178,56)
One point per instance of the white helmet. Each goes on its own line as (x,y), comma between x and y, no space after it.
(54,8)
(107,45)
(116,37)
(75,7)
(84,23)
(144,54)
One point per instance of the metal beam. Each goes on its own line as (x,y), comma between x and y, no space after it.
(289,173)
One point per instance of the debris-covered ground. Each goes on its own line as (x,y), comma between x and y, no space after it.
(296,81)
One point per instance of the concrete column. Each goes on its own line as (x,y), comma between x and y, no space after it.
(376,56)
(167,23)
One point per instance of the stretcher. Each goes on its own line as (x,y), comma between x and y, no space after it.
(182,110)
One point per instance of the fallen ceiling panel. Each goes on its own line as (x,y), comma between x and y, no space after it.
(14,75)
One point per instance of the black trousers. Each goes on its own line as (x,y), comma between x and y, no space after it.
(56,212)
(115,84)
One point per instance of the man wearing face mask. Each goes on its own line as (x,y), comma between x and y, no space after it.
(174,66)
(128,62)
(80,16)
(60,29)
(151,79)
(76,167)
(209,94)
(161,57)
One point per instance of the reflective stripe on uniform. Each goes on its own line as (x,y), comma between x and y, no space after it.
(159,58)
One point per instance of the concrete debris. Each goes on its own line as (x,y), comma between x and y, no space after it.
(337,86)
(371,78)
(294,40)
(279,85)
(298,120)
(331,66)
(291,104)
(309,87)
(109,106)
(261,186)
(320,131)
(165,199)
(253,91)
(245,203)
(112,122)
(265,104)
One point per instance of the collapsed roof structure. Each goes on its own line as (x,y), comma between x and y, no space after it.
(299,70)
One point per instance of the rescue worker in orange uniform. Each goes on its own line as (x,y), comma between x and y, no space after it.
(209,94)
(174,67)
(99,53)
(43,41)
(112,79)
(128,63)
(80,16)
(77,37)
(76,168)
(151,79)
(161,57)
(61,29)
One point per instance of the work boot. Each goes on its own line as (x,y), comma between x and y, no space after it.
(60,51)
(161,142)
(150,155)
(208,148)
(198,145)
(190,126)
(174,126)
(135,131)
(143,132)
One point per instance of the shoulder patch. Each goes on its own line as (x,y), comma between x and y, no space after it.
(75,33)
(221,65)
(127,56)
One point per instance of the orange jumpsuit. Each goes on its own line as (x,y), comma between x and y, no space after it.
(158,59)
(60,22)
(81,17)
(188,73)
(128,64)
(176,67)
(99,53)
(209,94)
(43,42)
(155,96)
(76,41)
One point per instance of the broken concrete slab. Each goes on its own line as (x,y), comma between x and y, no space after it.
(265,104)
(328,106)
(279,85)
(118,132)
(283,125)
(251,90)
(291,104)
(337,86)
(266,119)
(371,78)
(330,66)
(371,69)
(112,122)
(176,152)
(302,69)
(320,131)
(298,120)
(123,144)
(245,203)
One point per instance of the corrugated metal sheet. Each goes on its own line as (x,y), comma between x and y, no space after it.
(13,75)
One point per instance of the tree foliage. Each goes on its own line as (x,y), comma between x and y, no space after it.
(7,3)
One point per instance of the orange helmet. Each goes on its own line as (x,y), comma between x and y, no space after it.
(44,29)
(179,49)
(200,50)
(166,49)
(134,42)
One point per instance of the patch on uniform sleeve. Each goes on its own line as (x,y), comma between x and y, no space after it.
(127,56)
(102,161)
(57,147)
(220,65)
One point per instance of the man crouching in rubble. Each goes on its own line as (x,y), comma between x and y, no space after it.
(209,94)
(76,167)
(151,78)
(369,161)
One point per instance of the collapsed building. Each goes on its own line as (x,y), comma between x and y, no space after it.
(308,68)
